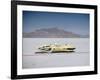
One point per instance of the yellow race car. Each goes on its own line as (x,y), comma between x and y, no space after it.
(57,48)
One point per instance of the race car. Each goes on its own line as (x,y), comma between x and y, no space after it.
(57,48)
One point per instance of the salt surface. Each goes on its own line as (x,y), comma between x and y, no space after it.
(30,59)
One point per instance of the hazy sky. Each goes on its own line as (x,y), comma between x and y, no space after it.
(74,22)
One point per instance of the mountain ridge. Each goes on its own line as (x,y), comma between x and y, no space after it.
(52,33)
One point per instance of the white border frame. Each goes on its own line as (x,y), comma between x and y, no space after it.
(21,71)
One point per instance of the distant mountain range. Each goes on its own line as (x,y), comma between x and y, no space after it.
(52,33)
